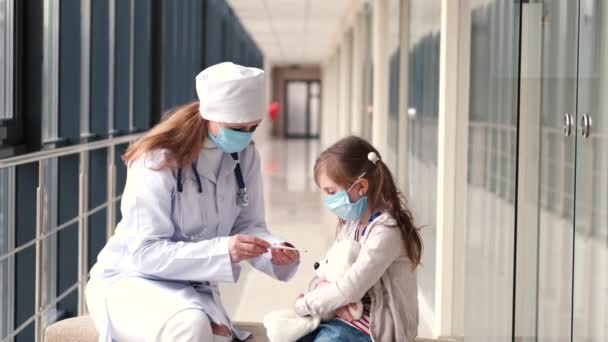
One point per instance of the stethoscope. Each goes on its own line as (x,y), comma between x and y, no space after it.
(242,199)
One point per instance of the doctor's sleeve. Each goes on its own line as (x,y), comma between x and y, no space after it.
(251,221)
(147,205)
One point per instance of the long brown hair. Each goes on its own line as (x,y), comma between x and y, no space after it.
(182,132)
(346,160)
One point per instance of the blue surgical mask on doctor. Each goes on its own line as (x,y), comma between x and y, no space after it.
(230,140)
(340,204)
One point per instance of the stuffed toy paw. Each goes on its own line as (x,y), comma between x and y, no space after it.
(286,325)
(338,260)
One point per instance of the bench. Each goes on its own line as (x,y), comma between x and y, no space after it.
(82,329)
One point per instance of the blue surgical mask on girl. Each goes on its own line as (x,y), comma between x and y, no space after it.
(340,205)
(231,141)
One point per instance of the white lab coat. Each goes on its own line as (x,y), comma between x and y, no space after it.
(177,243)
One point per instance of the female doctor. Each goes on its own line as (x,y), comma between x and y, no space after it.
(192,210)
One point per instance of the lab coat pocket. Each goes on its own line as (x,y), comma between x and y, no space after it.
(209,214)
(190,216)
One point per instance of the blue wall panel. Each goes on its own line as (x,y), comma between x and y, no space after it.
(226,39)
(69,76)
(122,72)
(142,61)
(182,50)
(99,68)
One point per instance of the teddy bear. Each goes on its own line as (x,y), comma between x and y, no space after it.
(286,325)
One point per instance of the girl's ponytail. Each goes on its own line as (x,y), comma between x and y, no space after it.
(396,205)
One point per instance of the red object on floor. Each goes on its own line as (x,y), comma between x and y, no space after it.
(273,110)
(273,167)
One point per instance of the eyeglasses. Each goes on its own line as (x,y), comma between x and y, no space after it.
(250,129)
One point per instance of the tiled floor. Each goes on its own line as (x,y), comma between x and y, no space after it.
(295,212)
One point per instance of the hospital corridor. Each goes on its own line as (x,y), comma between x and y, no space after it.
(158,181)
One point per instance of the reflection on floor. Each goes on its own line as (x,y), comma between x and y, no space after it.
(422,201)
(488,289)
(295,212)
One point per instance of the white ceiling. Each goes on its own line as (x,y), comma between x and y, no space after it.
(292,31)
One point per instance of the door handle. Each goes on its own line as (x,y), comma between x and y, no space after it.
(586,125)
(567,124)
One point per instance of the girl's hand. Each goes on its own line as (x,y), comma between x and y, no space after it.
(243,247)
(298,305)
(344,313)
(284,256)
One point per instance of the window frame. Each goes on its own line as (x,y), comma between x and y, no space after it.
(11,128)
(7,44)
(7,295)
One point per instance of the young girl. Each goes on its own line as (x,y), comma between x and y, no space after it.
(362,193)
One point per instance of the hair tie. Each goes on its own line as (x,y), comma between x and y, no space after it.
(373,157)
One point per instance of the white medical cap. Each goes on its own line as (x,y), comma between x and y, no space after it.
(231,93)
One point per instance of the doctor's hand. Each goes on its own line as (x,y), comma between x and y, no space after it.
(243,247)
(284,256)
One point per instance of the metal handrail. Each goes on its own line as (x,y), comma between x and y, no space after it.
(67,150)
(39,158)
(36,315)
(55,230)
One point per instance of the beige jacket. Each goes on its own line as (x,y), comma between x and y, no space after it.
(384,271)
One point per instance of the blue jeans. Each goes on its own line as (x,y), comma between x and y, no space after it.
(336,331)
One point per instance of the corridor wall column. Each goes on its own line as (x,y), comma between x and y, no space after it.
(380,57)
(451,168)
(345,80)
(357,76)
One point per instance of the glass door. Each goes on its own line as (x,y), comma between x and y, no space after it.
(303,99)
(546,174)
(557,156)
(565,236)
(590,309)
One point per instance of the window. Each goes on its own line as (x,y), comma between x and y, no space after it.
(143,60)
(7,37)
(7,243)
(10,122)
(421,58)
(121,119)
(492,27)
(85,71)
(181,57)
